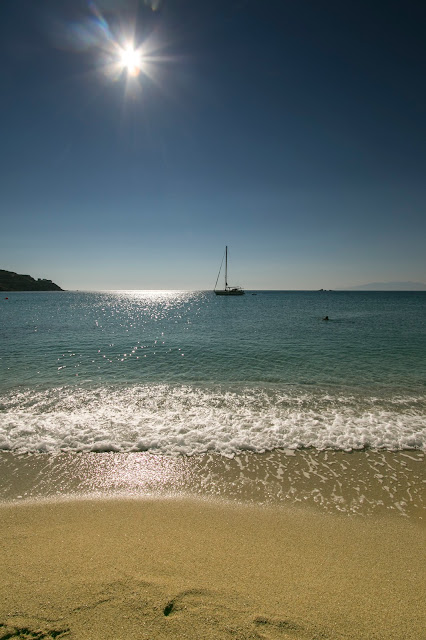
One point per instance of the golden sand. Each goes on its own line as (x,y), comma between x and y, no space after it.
(181,568)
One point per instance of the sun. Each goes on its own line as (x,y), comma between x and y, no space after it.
(131,60)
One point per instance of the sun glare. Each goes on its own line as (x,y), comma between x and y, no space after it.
(131,60)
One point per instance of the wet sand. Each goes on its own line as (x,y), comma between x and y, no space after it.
(195,566)
(363,482)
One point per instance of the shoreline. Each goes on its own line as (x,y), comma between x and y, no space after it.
(186,568)
(364,483)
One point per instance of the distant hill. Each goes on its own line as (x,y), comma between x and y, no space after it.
(11,281)
(389,286)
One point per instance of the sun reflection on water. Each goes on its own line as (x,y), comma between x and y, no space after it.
(363,483)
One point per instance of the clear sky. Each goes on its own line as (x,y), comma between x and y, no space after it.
(292,130)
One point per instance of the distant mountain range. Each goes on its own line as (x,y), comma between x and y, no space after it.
(387,286)
(11,281)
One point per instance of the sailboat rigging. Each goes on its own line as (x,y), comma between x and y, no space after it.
(227,291)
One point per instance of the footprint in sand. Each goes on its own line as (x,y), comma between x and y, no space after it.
(228,621)
(25,633)
(279,629)
(190,599)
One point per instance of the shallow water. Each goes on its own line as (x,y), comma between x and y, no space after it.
(362,483)
(191,373)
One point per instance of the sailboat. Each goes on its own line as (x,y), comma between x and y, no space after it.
(227,291)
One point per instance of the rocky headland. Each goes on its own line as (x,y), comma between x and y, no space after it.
(11,281)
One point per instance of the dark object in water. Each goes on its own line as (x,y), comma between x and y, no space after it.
(325,318)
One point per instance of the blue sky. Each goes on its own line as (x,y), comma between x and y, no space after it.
(292,131)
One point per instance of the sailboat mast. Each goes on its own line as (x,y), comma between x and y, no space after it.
(227,291)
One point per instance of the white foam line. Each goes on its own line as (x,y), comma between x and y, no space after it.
(190,420)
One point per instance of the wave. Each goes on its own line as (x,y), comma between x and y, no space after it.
(188,419)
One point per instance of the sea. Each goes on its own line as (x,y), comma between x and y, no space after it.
(180,373)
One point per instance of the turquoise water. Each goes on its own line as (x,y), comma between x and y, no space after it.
(189,372)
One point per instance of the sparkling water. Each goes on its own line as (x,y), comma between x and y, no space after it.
(181,372)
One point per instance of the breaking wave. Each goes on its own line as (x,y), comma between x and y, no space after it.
(176,419)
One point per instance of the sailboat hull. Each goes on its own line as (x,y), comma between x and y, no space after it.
(221,292)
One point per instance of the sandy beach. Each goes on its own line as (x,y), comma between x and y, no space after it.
(161,567)
(212,320)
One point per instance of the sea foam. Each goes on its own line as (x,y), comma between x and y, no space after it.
(177,419)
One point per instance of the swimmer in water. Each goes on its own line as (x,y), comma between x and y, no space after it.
(325,318)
